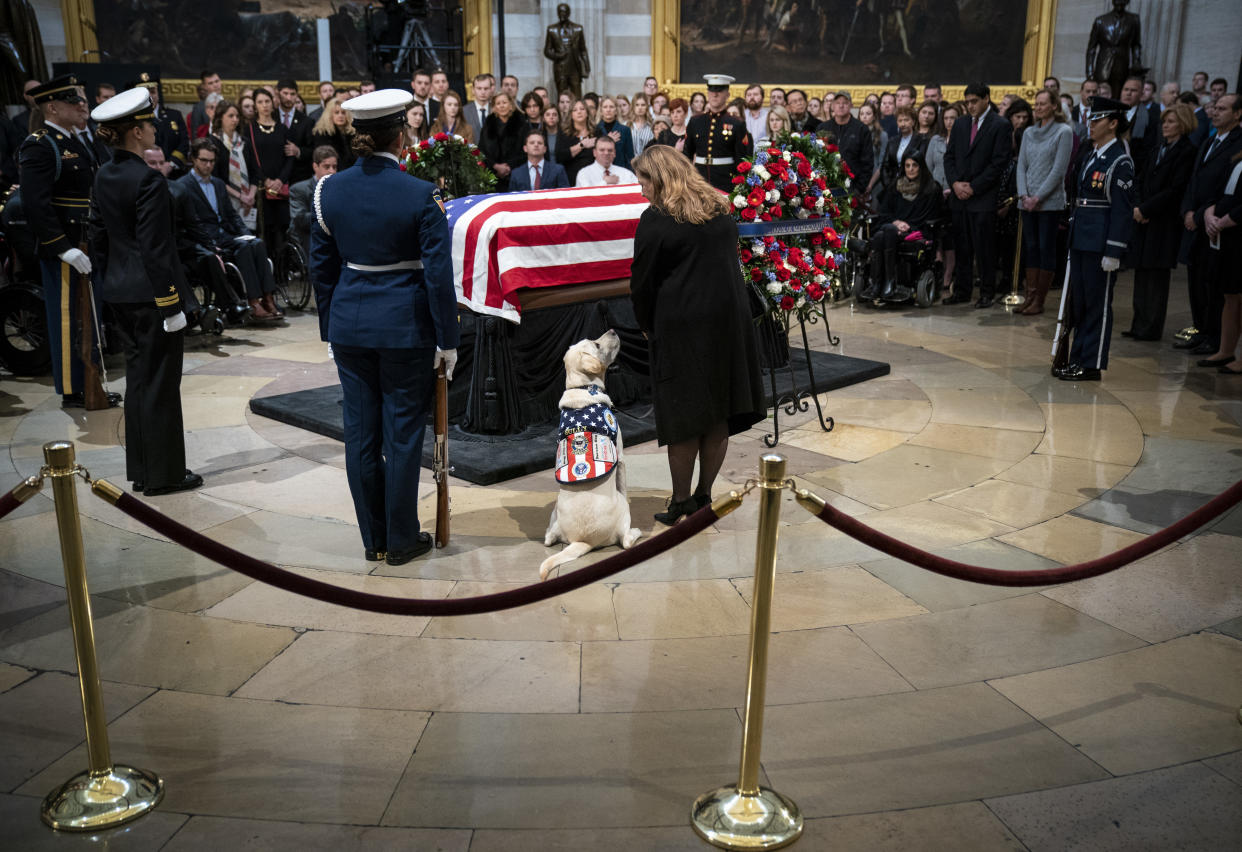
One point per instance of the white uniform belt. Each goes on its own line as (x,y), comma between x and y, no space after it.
(1091,202)
(714,161)
(387,267)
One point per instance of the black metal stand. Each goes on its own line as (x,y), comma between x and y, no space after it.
(796,400)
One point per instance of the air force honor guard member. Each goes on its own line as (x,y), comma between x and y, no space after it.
(135,246)
(716,141)
(57,171)
(383,273)
(1099,233)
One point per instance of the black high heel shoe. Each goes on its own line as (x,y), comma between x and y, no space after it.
(676,510)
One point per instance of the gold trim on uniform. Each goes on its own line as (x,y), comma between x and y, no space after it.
(66,332)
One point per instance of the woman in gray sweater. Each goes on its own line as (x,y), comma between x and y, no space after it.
(1043,160)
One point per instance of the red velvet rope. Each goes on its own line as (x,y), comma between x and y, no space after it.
(264,572)
(8,503)
(1046,577)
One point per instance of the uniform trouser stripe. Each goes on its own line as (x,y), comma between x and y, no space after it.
(1106,319)
(66,331)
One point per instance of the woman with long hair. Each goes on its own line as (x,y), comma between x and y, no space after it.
(235,163)
(624,108)
(1046,153)
(675,136)
(1222,225)
(336,129)
(929,122)
(575,147)
(416,125)
(245,105)
(698,103)
(660,103)
(450,120)
(640,123)
(532,109)
(908,205)
(267,137)
(692,305)
(777,122)
(936,146)
(869,115)
(502,138)
(1020,118)
(564,103)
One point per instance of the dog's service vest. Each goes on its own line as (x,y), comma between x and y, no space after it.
(587,446)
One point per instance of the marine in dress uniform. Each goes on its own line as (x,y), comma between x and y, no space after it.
(716,141)
(57,171)
(1099,235)
(382,266)
(134,244)
(171,134)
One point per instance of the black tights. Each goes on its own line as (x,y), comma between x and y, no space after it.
(709,448)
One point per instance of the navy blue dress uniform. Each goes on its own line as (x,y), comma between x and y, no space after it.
(382,267)
(1100,227)
(716,141)
(57,172)
(140,276)
(171,134)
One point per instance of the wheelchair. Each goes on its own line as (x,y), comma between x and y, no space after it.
(920,271)
(292,273)
(212,317)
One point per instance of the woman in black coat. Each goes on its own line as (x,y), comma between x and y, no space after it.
(691,304)
(267,137)
(1158,226)
(911,202)
(575,144)
(1226,269)
(501,140)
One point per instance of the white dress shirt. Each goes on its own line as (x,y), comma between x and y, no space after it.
(593,175)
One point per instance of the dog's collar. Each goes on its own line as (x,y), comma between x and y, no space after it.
(592,389)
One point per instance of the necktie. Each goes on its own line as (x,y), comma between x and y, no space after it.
(1212,147)
(536,176)
(86,143)
(607,173)
(288,119)
(974,130)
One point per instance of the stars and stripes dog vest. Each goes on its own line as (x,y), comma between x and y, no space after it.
(587,445)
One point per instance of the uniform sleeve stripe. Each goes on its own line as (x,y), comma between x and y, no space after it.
(1115,243)
(166,301)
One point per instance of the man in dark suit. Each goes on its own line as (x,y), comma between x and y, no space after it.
(974,160)
(481,87)
(1207,185)
(539,172)
(420,85)
(298,127)
(1142,119)
(210,228)
(801,120)
(198,115)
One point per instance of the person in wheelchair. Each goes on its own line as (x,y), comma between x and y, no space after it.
(211,231)
(906,215)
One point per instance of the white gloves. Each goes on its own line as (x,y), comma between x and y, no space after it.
(1110,264)
(175,323)
(77,259)
(447,357)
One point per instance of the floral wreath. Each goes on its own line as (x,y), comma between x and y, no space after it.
(454,165)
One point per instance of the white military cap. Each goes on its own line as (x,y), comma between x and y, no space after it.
(379,109)
(130,105)
(717,82)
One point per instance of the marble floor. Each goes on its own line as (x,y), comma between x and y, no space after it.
(906,710)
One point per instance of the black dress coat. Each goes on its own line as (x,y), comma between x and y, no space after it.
(980,164)
(269,155)
(501,142)
(339,142)
(1227,261)
(917,211)
(889,168)
(691,302)
(1158,196)
(565,141)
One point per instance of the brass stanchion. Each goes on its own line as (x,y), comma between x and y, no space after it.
(104,795)
(1012,299)
(745,815)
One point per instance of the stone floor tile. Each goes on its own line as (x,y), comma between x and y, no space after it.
(1141,510)
(497,511)
(992,408)
(846,441)
(309,351)
(908,474)
(399,672)
(1180,413)
(331,545)
(1070,539)
(1182,463)
(482,558)
(329,764)
(579,616)
(678,838)
(11,676)
(965,827)
(574,771)
(937,593)
(692,674)
(1102,433)
(1229,765)
(1154,707)
(22,598)
(287,486)
(1080,477)
(153,647)
(1010,503)
(897,415)
(210,834)
(1009,444)
(1182,589)
(1182,807)
(681,609)
(929,524)
(1021,634)
(42,719)
(829,597)
(24,829)
(911,750)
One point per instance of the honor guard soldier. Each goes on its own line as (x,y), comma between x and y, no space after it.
(382,266)
(171,135)
(57,172)
(1099,233)
(716,141)
(135,245)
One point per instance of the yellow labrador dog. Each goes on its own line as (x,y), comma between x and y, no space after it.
(592,509)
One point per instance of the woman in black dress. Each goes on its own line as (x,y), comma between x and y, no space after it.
(267,138)
(913,200)
(1226,267)
(575,144)
(502,137)
(691,303)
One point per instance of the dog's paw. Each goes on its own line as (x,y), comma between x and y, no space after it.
(631,537)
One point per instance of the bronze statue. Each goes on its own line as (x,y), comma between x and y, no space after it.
(21,50)
(1114,49)
(566,47)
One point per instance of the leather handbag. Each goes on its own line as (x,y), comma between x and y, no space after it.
(280,195)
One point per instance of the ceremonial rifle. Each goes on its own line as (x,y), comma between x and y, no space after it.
(1065,324)
(440,460)
(93,396)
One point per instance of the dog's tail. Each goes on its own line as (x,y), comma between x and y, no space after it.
(571,552)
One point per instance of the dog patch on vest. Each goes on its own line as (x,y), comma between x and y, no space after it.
(587,444)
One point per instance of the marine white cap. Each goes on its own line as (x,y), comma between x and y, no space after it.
(130,105)
(380,108)
(717,82)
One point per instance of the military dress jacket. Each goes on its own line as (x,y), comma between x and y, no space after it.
(1103,216)
(56,177)
(716,142)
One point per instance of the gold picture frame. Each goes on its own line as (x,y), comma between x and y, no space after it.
(1041,16)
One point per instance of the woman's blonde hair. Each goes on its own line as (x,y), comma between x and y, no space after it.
(1186,120)
(325,127)
(676,187)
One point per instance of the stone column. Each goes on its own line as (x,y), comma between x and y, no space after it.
(1162,37)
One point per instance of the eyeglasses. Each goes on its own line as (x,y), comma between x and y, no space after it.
(206,160)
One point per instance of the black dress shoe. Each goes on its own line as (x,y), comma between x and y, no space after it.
(400,557)
(985,302)
(78,400)
(955,300)
(701,500)
(1215,362)
(1189,343)
(1207,347)
(677,509)
(1127,333)
(139,487)
(191,481)
(1061,371)
(375,555)
(1074,373)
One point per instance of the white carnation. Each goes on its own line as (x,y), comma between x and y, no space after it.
(774,288)
(739,201)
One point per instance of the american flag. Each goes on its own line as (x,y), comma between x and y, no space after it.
(543,238)
(587,447)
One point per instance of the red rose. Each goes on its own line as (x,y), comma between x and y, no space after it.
(846,168)
(808,202)
(796,286)
(424,144)
(776,211)
(745,255)
(782,274)
(756,274)
(815,291)
(774,257)
(816,239)
(766,217)
(830,262)
(768,185)
(774,152)
(402,165)
(755,198)
(854,202)
(743,166)
(819,181)
(442,137)
(831,149)
(818,259)
(748,213)
(790,190)
(738,180)
(804,169)
(787,303)
(767,241)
